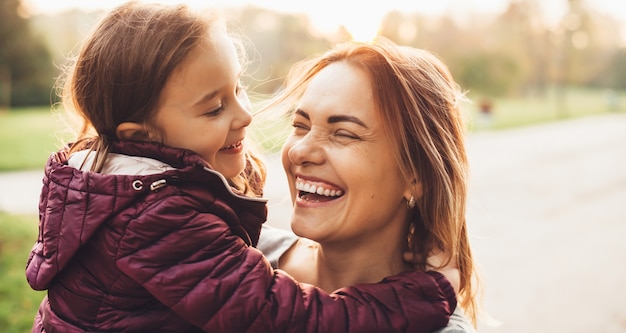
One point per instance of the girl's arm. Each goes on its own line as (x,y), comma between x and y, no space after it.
(274,242)
(196,266)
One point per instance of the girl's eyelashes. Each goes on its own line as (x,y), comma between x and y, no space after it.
(215,112)
(239,91)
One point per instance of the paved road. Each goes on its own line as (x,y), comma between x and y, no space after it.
(548,220)
(547,217)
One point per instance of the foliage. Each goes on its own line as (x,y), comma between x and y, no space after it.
(26,72)
(614,76)
(510,53)
(618,74)
(18,302)
(277,41)
(491,74)
(480,48)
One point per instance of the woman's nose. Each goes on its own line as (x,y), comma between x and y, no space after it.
(305,150)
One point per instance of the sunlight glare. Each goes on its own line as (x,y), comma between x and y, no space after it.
(363,28)
(364,25)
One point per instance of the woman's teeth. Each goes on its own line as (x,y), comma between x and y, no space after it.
(317,189)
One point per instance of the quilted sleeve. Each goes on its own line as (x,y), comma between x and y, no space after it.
(194,265)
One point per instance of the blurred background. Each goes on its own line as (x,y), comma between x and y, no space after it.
(546,134)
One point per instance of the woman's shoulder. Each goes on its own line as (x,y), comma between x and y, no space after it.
(274,242)
(458,324)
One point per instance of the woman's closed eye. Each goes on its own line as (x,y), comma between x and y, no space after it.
(344,134)
(300,127)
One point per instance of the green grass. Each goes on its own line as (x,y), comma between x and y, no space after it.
(27,137)
(18,302)
(576,102)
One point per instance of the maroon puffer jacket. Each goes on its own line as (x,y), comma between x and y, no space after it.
(169,252)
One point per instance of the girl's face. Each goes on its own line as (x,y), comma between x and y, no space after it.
(203,107)
(338,149)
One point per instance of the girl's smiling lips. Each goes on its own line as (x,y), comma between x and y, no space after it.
(234,148)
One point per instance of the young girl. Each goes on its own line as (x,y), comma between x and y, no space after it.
(147,218)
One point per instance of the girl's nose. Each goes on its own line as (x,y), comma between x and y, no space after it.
(243,118)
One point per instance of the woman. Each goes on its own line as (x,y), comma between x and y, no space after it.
(376,166)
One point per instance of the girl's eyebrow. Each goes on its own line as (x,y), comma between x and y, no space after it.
(335,119)
(205,99)
(211,95)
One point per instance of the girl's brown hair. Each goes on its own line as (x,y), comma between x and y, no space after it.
(123,66)
(419,103)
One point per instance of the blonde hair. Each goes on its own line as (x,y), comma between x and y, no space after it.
(419,103)
(122,68)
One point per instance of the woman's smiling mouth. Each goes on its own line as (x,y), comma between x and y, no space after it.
(316,192)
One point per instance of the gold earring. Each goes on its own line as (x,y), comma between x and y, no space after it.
(411,202)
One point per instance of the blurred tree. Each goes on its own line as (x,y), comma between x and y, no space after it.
(63,32)
(26,72)
(521,32)
(277,41)
(576,31)
(481,52)
(488,74)
(510,53)
(578,57)
(614,74)
(618,66)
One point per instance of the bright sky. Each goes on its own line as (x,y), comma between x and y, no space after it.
(358,17)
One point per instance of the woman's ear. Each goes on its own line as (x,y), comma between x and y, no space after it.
(132,131)
(413,190)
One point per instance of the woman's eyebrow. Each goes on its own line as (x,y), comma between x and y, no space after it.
(342,118)
(303,114)
(334,119)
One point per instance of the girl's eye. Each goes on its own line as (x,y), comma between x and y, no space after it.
(216,112)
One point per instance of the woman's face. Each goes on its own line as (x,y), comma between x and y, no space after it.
(203,107)
(345,183)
